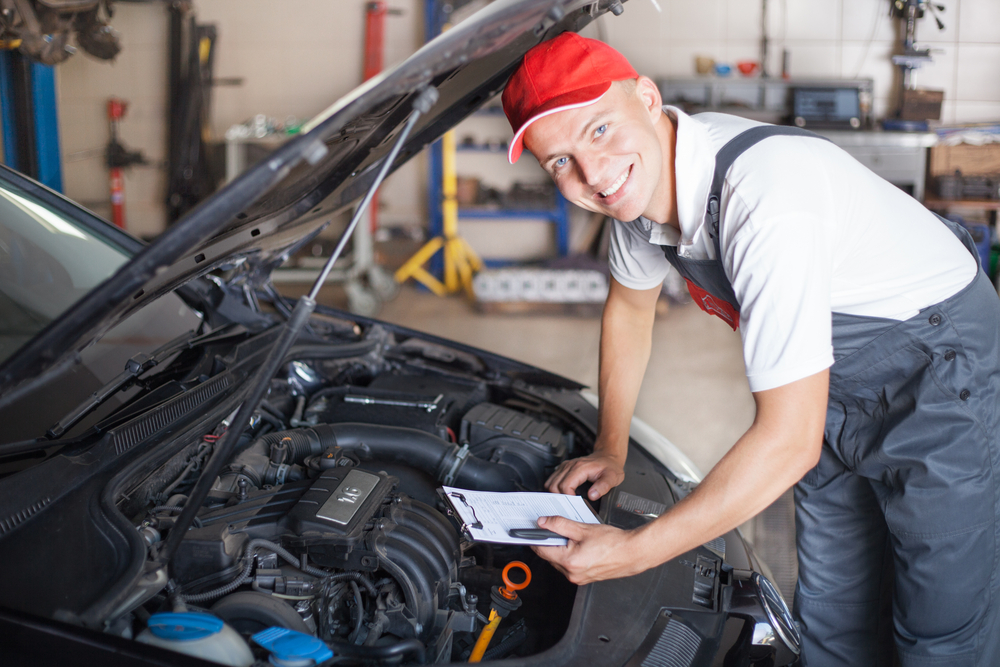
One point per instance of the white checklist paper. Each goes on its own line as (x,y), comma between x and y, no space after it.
(499,513)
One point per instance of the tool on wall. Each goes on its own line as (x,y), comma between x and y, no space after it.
(117,157)
(41,29)
(912,57)
(192,57)
(915,106)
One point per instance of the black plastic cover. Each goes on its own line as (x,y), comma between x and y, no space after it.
(531,446)
(337,506)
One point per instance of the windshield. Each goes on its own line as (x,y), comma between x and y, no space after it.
(47,263)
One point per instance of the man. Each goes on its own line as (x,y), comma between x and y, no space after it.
(871,344)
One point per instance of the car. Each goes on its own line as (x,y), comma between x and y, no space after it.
(194,467)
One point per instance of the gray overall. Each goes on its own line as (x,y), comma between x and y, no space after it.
(897,525)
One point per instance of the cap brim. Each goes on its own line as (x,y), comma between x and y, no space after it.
(578,99)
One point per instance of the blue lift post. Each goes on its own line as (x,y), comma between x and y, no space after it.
(29,119)
(435,18)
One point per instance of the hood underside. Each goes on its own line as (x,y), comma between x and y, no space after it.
(283,201)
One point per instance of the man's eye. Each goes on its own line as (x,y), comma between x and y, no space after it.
(561,161)
(601,130)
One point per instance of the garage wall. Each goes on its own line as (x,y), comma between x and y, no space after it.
(829,38)
(139,75)
(297,56)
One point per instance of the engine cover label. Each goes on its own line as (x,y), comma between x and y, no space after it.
(345,501)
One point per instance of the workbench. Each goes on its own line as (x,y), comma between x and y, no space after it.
(898,157)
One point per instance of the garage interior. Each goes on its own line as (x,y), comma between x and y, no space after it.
(201,89)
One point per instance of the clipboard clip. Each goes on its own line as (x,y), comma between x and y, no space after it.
(478,524)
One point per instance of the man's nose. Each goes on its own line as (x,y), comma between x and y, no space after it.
(591,168)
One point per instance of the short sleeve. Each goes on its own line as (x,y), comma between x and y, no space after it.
(634,261)
(781,277)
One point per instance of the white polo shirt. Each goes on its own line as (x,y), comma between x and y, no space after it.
(806,231)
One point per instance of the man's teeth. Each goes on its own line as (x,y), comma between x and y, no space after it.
(614,186)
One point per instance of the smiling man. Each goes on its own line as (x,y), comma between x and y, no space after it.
(871,341)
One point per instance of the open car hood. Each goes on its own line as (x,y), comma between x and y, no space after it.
(265,214)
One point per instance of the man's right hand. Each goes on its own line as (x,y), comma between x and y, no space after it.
(604,471)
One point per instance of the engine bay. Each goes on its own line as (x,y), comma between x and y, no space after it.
(320,522)
(328,520)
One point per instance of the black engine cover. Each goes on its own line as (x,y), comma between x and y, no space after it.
(348,518)
(337,506)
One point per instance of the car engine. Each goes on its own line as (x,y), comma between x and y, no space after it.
(328,520)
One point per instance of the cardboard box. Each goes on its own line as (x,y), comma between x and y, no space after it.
(921,104)
(970,160)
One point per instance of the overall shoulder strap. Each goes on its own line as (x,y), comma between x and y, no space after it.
(727,155)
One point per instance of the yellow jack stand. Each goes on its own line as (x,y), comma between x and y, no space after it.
(460,260)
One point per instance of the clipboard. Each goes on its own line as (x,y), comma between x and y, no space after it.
(488,516)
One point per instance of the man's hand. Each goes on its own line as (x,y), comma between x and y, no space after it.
(595,551)
(605,471)
(782,445)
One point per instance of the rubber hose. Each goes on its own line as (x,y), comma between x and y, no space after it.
(251,547)
(361,612)
(272,420)
(382,652)
(366,583)
(304,442)
(419,449)
(176,510)
(505,646)
(228,588)
(180,478)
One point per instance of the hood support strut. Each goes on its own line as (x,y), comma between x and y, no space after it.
(290,332)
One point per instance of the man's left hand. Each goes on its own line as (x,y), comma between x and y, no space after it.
(594,552)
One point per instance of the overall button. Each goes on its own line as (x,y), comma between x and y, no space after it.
(935,319)
(949,355)
(965,394)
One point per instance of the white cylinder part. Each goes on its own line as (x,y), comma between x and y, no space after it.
(225,647)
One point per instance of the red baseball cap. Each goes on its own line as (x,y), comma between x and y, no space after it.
(567,72)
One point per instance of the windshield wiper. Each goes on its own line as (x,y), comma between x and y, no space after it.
(134,367)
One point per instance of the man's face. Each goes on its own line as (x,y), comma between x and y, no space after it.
(607,157)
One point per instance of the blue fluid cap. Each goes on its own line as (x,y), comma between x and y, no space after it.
(185,626)
(289,646)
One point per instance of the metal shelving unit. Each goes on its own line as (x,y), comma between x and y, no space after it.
(436,14)
(557,214)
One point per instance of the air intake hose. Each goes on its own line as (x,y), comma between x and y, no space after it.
(446,462)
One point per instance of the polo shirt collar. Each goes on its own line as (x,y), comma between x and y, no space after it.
(694,162)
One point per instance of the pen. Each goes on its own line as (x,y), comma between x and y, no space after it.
(533,533)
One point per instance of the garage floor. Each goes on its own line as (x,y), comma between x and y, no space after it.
(694,392)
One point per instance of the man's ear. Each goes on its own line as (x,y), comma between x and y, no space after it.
(649,93)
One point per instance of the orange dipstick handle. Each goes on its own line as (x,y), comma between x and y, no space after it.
(510,589)
(509,592)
